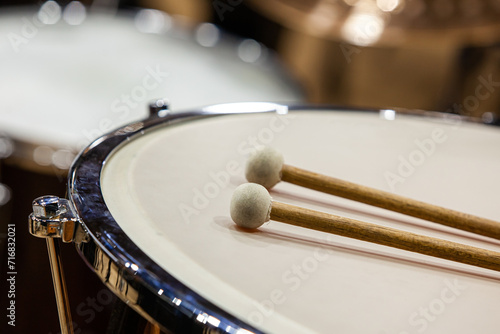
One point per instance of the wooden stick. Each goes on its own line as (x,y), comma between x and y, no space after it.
(386,236)
(390,201)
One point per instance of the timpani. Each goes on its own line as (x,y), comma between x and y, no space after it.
(152,202)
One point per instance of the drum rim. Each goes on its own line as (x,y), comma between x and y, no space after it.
(129,272)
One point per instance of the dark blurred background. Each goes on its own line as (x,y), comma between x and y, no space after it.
(440,55)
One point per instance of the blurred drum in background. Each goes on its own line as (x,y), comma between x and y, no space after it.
(75,77)
(432,55)
(68,77)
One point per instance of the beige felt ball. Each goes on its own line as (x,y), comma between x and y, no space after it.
(250,205)
(264,167)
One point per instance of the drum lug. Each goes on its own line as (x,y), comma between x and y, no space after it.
(53,217)
(159,108)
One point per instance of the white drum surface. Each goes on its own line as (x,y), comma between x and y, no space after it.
(64,85)
(170,192)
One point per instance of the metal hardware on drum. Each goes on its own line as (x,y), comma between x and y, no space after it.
(53,217)
(45,221)
(159,108)
(60,290)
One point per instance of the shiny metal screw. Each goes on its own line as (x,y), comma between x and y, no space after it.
(159,107)
(46,207)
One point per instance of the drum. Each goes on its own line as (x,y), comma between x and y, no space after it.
(153,202)
(68,77)
(66,83)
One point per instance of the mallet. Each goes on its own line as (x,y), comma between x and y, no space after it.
(266,167)
(252,206)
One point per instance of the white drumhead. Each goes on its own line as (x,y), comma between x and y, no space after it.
(65,85)
(170,190)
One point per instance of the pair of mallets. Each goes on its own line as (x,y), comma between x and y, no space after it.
(252,206)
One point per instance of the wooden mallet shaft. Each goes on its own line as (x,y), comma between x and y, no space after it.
(251,206)
(390,201)
(386,236)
